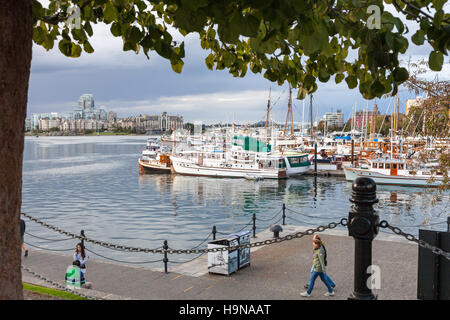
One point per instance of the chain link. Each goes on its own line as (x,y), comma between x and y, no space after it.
(300,234)
(59,286)
(97,242)
(410,237)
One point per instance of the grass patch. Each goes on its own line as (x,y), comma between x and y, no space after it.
(51,292)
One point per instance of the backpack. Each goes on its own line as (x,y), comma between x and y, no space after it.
(324,255)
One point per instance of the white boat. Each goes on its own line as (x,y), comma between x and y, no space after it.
(296,163)
(394,172)
(153,160)
(235,163)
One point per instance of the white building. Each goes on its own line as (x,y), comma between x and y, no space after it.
(333,119)
(410,103)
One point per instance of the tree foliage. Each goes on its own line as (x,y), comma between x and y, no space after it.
(432,116)
(295,41)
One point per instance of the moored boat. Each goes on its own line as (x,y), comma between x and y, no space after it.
(234,164)
(394,172)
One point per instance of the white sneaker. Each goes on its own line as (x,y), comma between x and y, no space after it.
(329,293)
(305,294)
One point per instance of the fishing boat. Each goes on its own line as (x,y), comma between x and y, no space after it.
(153,160)
(296,163)
(388,171)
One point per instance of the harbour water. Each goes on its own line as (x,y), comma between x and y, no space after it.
(92,183)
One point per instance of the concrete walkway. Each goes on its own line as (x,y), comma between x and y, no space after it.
(277,272)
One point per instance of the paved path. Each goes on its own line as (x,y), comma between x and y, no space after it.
(276,272)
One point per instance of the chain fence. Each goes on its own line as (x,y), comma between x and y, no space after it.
(199,252)
(384,224)
(58,285)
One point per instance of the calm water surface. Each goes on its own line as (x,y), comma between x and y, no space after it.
(92,183)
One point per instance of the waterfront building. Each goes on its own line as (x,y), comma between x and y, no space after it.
(363,117)
(410,103)
(155,123)
(86,109)
(334,119)
(111,117)
(47,124)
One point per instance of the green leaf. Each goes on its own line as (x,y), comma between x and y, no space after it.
(65,47)
(88,29)
(352,82)
(377,88)
(419,37)
(115,29)
(400,74)
(435,60)
(339,77)
(76,51)
(177,66)
(110,13)
(87,47)
(209,61)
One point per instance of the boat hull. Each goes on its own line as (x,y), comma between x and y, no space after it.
(152,167)
(352,173)
(181,167)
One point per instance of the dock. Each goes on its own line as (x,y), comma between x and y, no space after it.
(326,173)
(276,272)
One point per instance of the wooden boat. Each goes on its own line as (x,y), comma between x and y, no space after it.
(394,172)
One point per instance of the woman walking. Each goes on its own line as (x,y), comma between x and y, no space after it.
(318,269)
(326,276)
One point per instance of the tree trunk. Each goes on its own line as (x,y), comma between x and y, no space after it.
(15,59)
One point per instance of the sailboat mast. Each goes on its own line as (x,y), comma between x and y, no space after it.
(303,115)
(287,114)
(290,109)
(267,114)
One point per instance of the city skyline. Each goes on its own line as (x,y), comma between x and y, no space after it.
(130,84)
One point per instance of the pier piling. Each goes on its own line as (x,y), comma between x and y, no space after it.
(165,260)
(84,236)
(254,225)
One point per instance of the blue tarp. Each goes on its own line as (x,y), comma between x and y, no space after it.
(344,138)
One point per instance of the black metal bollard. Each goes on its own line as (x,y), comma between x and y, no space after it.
(363,227)
(284,214)
(214,231)
(83,235)
(165,260)
(254,225)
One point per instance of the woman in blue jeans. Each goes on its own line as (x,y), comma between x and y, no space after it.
(318,269)
(326,276)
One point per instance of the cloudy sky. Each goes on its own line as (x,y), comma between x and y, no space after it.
(130,84)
